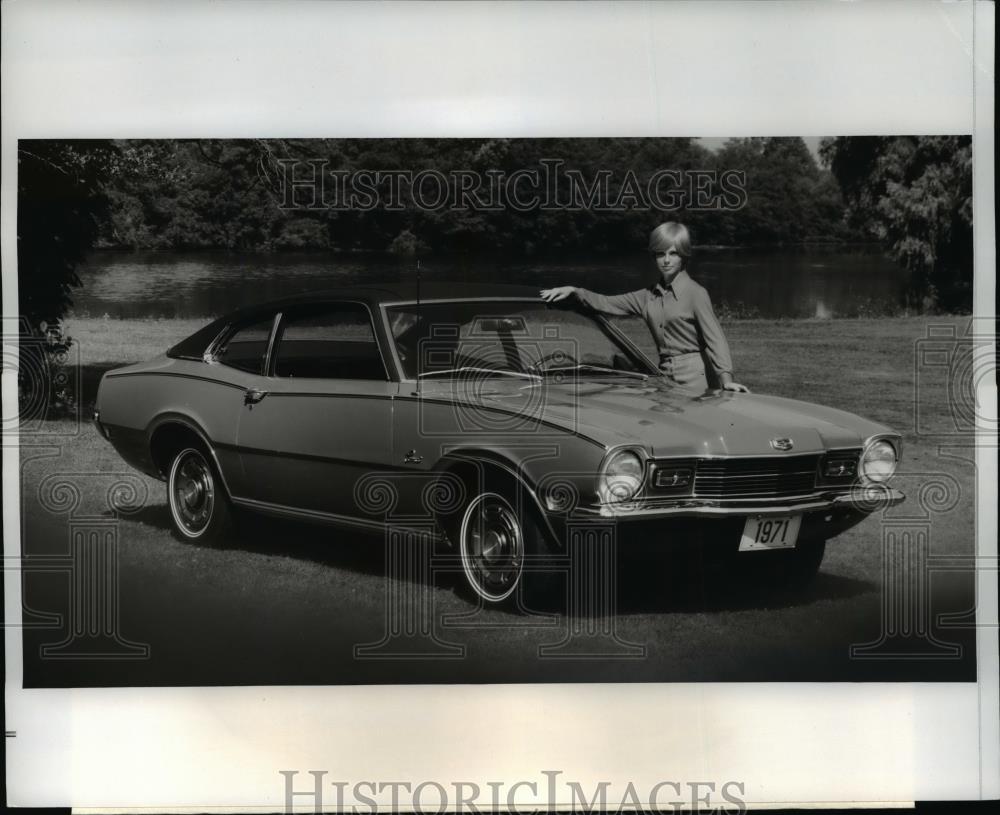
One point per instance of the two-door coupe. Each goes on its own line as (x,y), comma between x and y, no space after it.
(503,424)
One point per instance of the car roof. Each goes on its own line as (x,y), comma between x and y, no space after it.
(372,296)
(395,292)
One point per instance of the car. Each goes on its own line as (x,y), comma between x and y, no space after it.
(501,425)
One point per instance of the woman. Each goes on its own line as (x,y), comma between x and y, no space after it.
(677,310)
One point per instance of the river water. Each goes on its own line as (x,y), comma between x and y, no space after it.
(775,282)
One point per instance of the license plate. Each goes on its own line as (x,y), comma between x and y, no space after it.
(774,532)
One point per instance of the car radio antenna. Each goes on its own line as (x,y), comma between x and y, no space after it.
(418,328)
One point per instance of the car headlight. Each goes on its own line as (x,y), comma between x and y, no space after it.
(620,478)
(878,462)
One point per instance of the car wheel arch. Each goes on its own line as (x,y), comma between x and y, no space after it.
(465,463)
(169,433)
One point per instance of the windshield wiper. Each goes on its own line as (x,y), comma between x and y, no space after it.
(591,367)
(473,369)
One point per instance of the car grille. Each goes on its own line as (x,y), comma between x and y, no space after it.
(755,477)
(765,477)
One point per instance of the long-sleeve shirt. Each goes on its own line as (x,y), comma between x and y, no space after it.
(680,317)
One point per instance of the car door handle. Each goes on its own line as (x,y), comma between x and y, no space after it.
(253,396)
(412,458)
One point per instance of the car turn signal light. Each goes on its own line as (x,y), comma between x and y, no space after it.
(679,477)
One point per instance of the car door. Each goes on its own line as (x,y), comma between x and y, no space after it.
(238,366)
(321,418)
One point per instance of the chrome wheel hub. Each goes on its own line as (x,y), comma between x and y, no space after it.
(192,490)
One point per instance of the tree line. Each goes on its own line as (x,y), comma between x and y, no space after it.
(911,193)
(223,194)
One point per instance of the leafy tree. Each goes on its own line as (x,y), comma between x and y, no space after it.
(789,199)
(225,194)
(913,193)
(61,201)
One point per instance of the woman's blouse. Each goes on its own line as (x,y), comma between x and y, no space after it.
(680,317)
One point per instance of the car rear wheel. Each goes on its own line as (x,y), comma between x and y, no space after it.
(199,505)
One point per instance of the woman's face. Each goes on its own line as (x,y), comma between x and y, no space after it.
(668,263)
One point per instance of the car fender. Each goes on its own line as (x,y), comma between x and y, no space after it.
(552,525)
(189,423)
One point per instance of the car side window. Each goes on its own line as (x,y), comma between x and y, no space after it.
(246,347)
(328,342)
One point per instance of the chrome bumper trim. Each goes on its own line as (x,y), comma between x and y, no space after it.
(96,419)
(706,508)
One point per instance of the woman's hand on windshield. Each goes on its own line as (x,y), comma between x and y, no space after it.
(557,294)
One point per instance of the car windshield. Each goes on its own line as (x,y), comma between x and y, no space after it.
(504,338)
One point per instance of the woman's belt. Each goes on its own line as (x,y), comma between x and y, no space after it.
(674,358)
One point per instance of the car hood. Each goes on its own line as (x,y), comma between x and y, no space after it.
(655,416)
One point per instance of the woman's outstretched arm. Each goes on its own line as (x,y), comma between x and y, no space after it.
(619,305)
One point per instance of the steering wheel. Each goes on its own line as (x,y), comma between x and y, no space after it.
(538,364)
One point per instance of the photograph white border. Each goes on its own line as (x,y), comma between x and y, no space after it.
(194,69)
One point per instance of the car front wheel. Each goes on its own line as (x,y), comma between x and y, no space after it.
(199,505)
(491,543)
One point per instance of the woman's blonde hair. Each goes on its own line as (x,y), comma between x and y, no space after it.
(670,234)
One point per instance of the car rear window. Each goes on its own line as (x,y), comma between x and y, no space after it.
(246,348)
(196,345)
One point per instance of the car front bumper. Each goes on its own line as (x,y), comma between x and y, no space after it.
(865,500)
(718,525)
